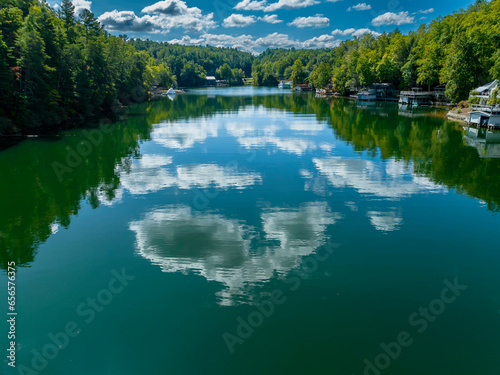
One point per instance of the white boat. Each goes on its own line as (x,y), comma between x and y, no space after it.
(171,91)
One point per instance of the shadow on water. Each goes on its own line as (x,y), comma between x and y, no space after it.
(34,201)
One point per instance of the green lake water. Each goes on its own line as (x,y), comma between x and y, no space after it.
(254,231)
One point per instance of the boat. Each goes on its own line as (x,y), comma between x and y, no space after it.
(171,91)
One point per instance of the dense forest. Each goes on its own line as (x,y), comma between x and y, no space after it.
(190,64)
(461,50)
(57,67)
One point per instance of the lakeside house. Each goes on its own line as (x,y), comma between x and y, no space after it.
(418,97)
(485,105)
(211,81)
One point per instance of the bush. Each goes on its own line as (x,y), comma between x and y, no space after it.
(463,104)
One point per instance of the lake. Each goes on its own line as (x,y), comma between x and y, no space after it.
(254,231)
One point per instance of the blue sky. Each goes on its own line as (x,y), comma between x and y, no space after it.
(254,25)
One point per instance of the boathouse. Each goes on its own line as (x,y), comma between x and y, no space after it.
(416,97)
(211,81)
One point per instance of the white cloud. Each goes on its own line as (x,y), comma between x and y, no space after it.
(290,4)
(354,32)
(270,18)
(183,135)
(281,4)
(360,32)
(360,6)
(251,5)
(385,221)
(314,21)
(297,146)
(389,18)
(239,20)
(426,11)
(170,8)
(370,179)
(322,41)
(81,5)
(127,21)
(250,44)
(150,174)
(178,239)
(160,17)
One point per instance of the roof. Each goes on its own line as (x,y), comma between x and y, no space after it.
(211,78)
(487,87)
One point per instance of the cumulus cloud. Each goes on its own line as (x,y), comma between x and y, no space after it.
(360,32)
(290,4)
(322,41)
(250,44)
(218,248)
(169,7)
(251,5)
(239,20)
(385,221)
(151,174)
(389,18)
(281,4)
(81,5)
(314,21)
(354,32)
(370,179)
(426,11)
(270,18)
(360,6)
(160,17)
(126,21)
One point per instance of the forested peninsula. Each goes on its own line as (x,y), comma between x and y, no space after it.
(57,67)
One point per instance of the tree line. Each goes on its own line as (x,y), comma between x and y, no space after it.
(57,67)
(191,64)
(461,50)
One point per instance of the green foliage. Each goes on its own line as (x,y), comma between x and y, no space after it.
(210,59)
(494,99)
(461,50)
(322,76)
(298,73)
(55,67)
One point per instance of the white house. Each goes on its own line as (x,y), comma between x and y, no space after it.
(482,113)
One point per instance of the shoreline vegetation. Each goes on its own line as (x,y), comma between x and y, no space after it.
(59,69)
